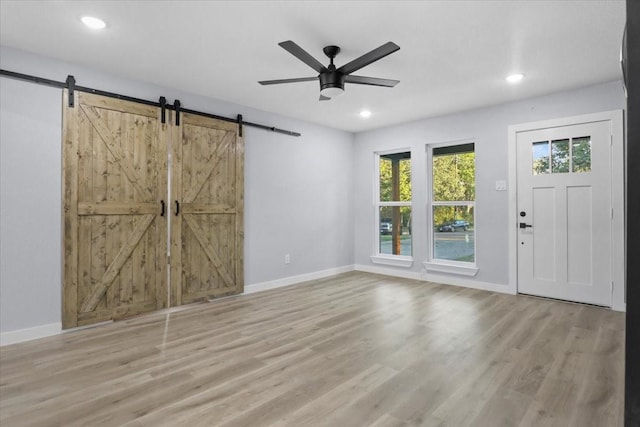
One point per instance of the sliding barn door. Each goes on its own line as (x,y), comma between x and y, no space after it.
(207,209)
(114,178)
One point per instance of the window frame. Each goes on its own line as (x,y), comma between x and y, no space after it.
(378,257)
(440,265)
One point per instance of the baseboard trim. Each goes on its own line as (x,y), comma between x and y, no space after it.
(387,271)
(293,280)
(619,307)
(467,283)
(437,278)
(28,334)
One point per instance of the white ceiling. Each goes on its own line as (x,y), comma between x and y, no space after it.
(454,55)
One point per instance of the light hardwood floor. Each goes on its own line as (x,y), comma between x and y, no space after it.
(353,350)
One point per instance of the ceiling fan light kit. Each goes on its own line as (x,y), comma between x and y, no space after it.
(332,79)
(331,84)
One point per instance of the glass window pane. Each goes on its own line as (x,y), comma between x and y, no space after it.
(385,180)
(454,177)
(404,190)
(395,230)
(581,154)
(540,157)
(560,156)
(395,177)
(454,235)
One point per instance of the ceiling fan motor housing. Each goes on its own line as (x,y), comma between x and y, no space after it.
(332,79)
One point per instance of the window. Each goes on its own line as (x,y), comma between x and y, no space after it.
(577,154)
(453,194)
(393,204)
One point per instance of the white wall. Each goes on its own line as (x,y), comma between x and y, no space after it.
(488,128)
(298,191)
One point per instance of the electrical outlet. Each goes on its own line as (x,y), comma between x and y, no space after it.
(287,258)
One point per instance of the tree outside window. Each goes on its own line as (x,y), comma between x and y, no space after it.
(394,204)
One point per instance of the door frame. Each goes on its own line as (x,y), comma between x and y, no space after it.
(615,117)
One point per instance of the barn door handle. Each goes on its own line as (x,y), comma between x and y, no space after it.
(523,225)
(177,208)
(161,207)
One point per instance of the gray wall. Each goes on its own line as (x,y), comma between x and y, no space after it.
(488,128)
(298,191)
(30,205)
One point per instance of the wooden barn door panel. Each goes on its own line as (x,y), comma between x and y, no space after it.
(115,156)
(114,171)
(207,232)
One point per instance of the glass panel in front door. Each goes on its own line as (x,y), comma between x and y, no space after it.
(560,156)
(581,154)
(540,157)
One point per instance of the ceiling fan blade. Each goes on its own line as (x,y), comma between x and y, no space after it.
(277,82)
(323,98)
(373,81)
(366,59)
(303,55)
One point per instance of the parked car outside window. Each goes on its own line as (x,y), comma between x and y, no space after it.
(386,228)
(456,225)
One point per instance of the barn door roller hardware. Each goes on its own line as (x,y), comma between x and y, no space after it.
(163,109)
(176,107)
(70,85)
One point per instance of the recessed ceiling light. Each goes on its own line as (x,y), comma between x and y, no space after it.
(365,114)
(515,78)
(93,23)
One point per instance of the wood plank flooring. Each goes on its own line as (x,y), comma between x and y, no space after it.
(353,350)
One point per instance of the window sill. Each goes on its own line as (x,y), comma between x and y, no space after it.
(394,260)
(443,267)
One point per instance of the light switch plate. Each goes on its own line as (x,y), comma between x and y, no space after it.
(501,185)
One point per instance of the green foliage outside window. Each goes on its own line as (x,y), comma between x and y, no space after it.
(454,179)
(386,181)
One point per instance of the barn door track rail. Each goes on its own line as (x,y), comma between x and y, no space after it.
(70,84)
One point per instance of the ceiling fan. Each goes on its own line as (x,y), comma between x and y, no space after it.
(332,79)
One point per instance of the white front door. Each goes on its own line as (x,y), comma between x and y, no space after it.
(564,212)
